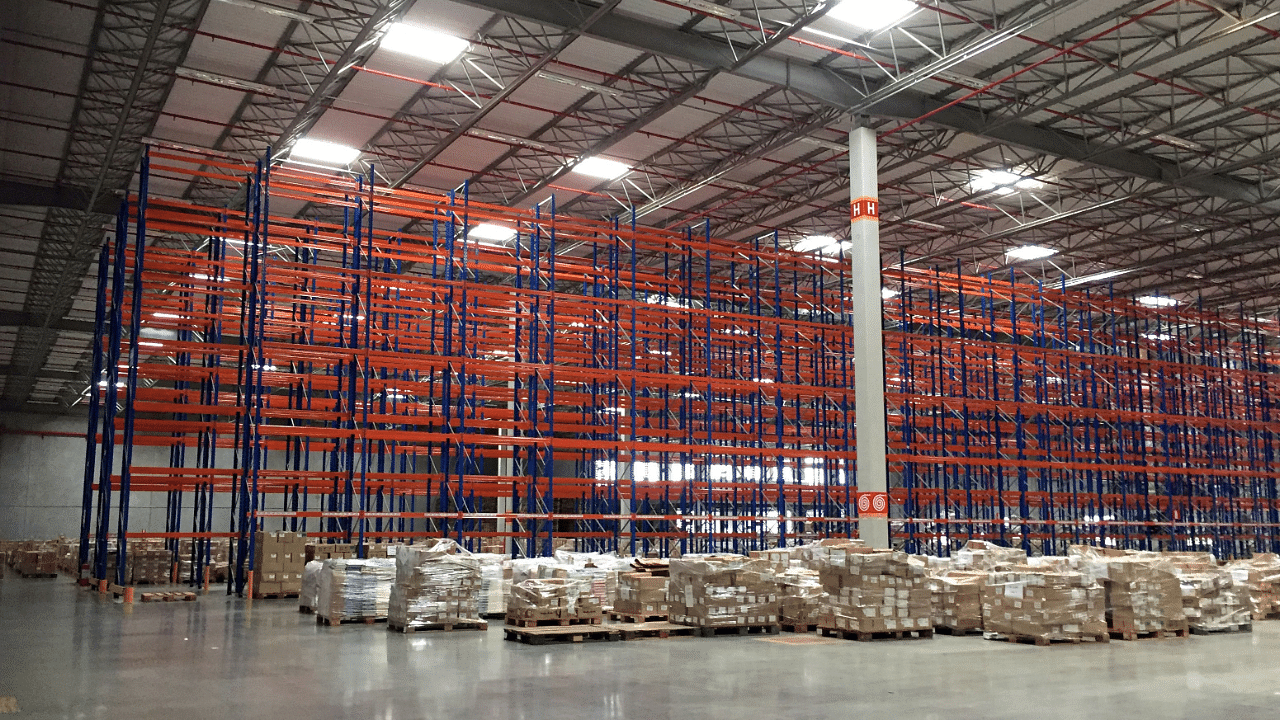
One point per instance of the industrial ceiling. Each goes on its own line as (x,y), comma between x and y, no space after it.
(1096,143)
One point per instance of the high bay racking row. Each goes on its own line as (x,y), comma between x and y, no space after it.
(393,363)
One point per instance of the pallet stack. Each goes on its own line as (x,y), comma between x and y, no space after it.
(642,596)
(436,587)
(717,592)
(1212,602)
(553,601)
(957,600)
(1144,598)
(278,558)
(1260,578)
(1040,606)
(355,590)
(800,592)
(874,594)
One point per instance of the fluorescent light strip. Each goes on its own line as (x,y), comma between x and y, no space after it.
(423,43)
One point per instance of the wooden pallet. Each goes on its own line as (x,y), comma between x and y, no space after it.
(445,627)
(1266,616)
(493,616)
(1129,634)
(634,618)
(652,629)
(1240,628)
(869,636)
(515,622)
(958,632)
(797,628)
(1045,642)
(321,620)
(274,596)
(561,634)
(168,597)
(767,629)
(306,609)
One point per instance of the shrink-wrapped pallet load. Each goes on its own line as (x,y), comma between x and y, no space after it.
(1259,576)
(957,599)
(1043,605)
(874,592)
(355,589)
(553,601)
(643,595)
(800,597)
(714,591)
(436,584)
(1212,602)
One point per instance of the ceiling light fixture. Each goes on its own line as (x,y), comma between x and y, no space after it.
(491,231)
(323,151)
(1002,180)
(1097,277)
(872,14)
(710,8)
(424,43)
(888,293)
(1030,252)
(1157,301)
(602,168)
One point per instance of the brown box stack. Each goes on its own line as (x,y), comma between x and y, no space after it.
(37,562)
(1044,604)
(984,555)
(278,560)
(870,592)
(1260,577)
(219,558)
(436,584)
(546,599)
(1212,602)
(149,566)
(957,599)
(329,551)
(722,591)
(642,593)
(1143,595)
(800,592)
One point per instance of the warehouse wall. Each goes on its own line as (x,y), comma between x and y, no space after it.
(42,476)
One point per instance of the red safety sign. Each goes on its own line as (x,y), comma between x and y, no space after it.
(864,208)
(873,504)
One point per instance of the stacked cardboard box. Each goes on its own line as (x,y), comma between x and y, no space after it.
(329,551)
(553,599)
(800,593)
(436,584)
(722,591)
(986,555)
(1211,601)
(278,561)
(814,555)
(149,566)
(355,589)
(1260,578)
(1044,604)
(957,599)
(42,561)
(642,594)
(1143,595)
(871,592)
(219,558)
(495,583)
(778,558)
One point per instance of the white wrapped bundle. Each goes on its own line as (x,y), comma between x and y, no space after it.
(355,589)
(435,584)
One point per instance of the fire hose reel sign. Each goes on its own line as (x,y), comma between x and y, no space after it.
(873,504)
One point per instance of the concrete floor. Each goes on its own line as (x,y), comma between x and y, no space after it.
(66,653)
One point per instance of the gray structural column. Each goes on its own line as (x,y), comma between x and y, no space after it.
(868,347)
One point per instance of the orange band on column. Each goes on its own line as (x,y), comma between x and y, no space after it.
(864,208)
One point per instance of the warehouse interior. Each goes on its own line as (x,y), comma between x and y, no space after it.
(931,343)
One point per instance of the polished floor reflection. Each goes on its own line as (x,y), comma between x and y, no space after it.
(66,653)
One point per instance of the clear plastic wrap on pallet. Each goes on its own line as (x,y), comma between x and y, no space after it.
(721,591)
(1260,577)
(957,598)
(355,589)
(600,569)
(309,596)
(816,554)
(986,555)
(871,592)
(1141,588)
(1211,600)
(495,586)
(800,596)
(642,594)
(436,583)
(1043,604)
(543,599)
(781,559)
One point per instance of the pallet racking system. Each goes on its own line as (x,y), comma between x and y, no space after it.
(376,369)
